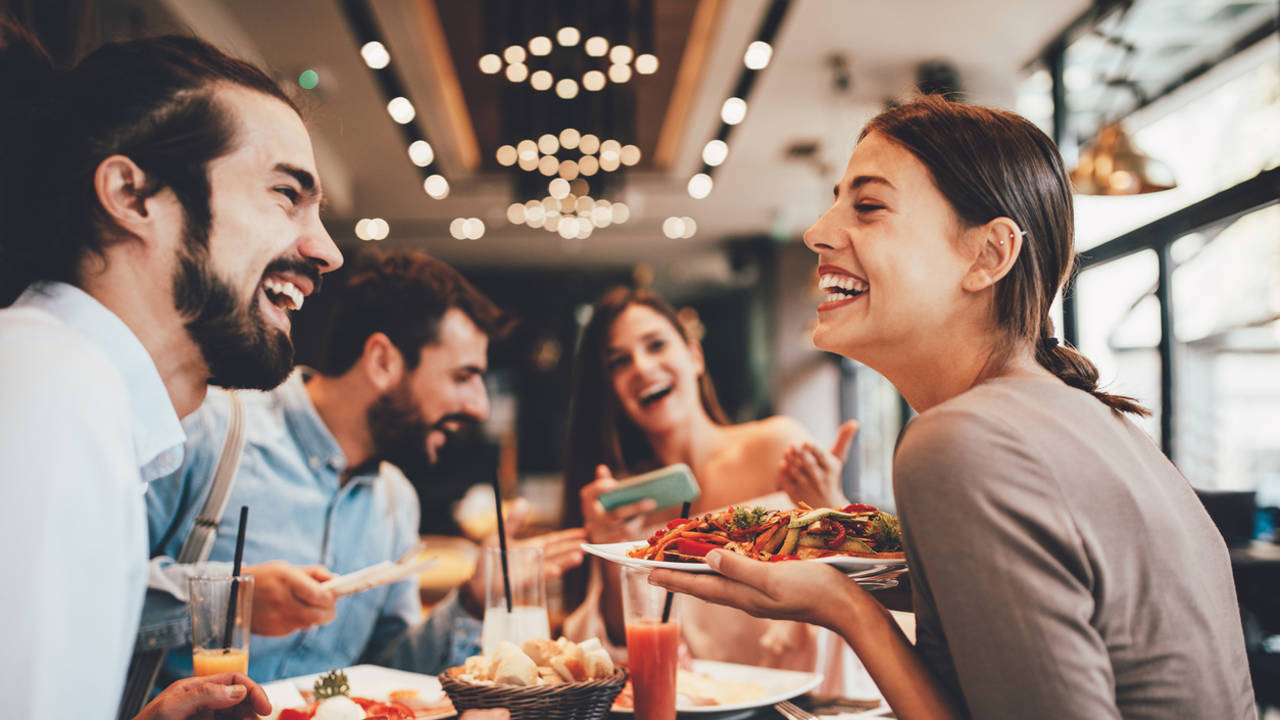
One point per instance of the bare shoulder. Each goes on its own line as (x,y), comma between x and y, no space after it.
(767,439)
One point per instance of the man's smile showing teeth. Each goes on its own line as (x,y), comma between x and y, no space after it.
(841,287)
(283,293)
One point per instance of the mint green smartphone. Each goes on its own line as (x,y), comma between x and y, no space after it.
(669,486)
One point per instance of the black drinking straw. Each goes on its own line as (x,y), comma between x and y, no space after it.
(666,606)
(502,541)
(235,573)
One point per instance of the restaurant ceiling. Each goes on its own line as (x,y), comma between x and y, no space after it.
(834,64)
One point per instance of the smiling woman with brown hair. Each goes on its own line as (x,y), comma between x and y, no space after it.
(1061,565)
(642,399)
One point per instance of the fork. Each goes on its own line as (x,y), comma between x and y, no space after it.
(791,711)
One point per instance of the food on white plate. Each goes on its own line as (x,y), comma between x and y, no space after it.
(804,533)
(332,700)
(699,690)
(538,662)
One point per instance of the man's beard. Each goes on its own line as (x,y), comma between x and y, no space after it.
(400,431)
(239,347)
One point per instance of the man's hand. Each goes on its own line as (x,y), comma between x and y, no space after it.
(288,598)
(812,475)
(225,695)
(781,590)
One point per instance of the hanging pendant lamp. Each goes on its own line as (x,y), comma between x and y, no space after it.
(1113,165)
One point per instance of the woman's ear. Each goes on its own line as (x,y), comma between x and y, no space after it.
(695,349)
(381,362)
(999,244)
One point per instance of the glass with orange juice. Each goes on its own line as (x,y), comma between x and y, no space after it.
(653,645)
(219,630)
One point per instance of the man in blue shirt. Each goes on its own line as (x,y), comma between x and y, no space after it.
(405,368)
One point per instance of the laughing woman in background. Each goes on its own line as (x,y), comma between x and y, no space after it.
(1061,566)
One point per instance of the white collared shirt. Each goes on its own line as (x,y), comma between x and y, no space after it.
(85,423)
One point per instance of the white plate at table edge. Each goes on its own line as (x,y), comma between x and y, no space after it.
(804,682)
(617,552)
(401,679)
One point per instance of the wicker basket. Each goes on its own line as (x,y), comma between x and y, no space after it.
(589,700)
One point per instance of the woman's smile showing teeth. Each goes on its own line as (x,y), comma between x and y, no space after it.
(840,288)
(653,393)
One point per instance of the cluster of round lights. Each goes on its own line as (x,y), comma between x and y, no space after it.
(679,227)
(596,155)
(372,229)
(467,228)
(622,59)
(572,216)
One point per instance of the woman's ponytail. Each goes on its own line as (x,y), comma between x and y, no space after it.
(1074,369)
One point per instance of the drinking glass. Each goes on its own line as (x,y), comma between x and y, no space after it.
(527,617)
(219,631)
(653,644)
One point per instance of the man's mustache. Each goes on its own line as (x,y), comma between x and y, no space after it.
(456,423)
(299,265)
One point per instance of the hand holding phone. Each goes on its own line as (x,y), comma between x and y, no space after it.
(668,487)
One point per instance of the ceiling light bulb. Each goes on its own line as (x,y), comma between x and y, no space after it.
(548,144)
(646,63)
(518,72)
(584,228)
(589,144)
(588,165)
(569,138)
(527,148)
(541,80)
(378,229)
(362,229)
(540,45)
(401,110)
(568,169)
(758,55)
(579,187)
(548,165)
(690,227)
(621,54)
(733,111)
(559,188)
(619,73)
(507,156)
(473,228)
(609,162)
(673,227)
(715,152)
(567,88)
(601,217)
(514,54)
(568,227)
(568,36)
(490,64)
(700,186)
(516,213)
(593,80)
(528,163)
(375,55)
(630,155)
(436,186)
(596,46)
(621,213)
(610,146)
(422,155)
(456,229)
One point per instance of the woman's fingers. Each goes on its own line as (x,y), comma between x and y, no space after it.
(844,438)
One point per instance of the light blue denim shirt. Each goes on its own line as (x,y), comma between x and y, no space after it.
(299,513)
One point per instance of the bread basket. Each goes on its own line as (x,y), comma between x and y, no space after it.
(587,700)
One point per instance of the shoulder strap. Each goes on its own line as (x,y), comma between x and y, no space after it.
(145,664)
(199,541)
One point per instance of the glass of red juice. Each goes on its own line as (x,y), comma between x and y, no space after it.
(653,645)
